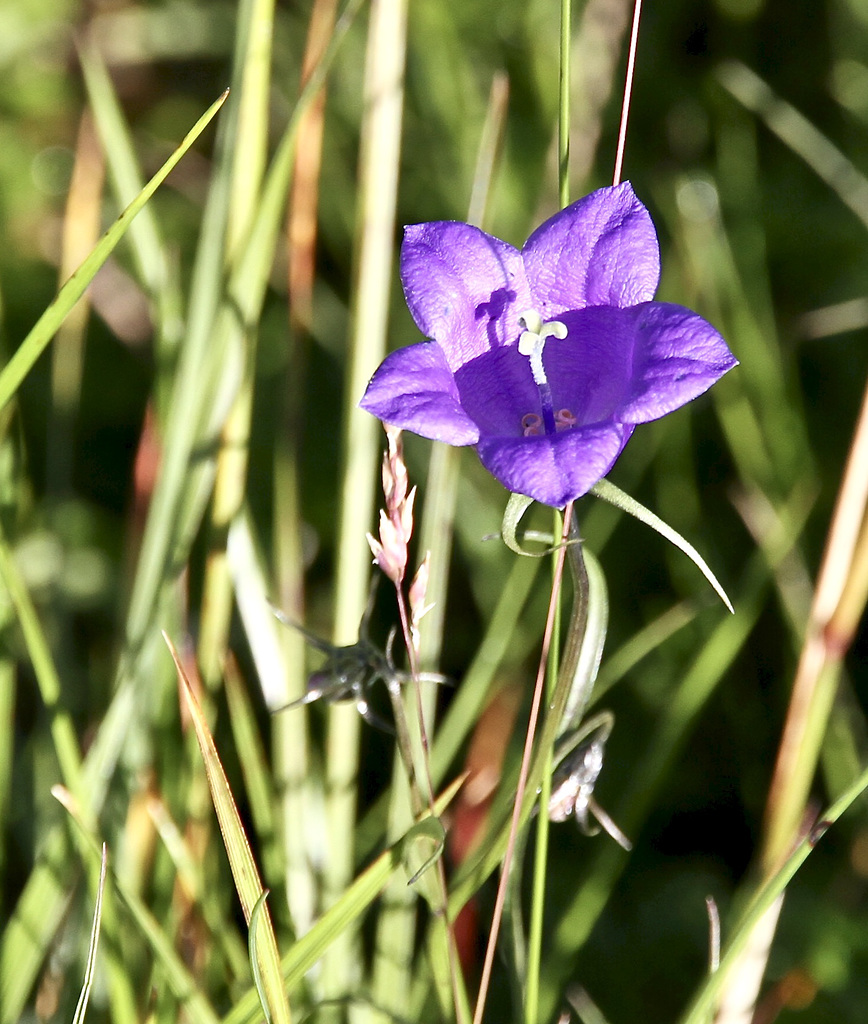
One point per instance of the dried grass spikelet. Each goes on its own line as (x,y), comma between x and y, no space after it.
(396,520)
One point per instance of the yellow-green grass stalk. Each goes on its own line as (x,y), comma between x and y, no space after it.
(290,739)
(372,282)
(251,92)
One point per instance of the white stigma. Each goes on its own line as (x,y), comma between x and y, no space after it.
(533,339)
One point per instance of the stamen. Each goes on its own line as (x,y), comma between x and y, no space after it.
(564,419)
(530,424)
(531,344)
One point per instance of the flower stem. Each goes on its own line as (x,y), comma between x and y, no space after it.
(628,92)
(528,774)
(540,868)
(564,104)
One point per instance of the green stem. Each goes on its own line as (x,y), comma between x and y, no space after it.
(477,868)
(63,735)
(542,834)
(534,959)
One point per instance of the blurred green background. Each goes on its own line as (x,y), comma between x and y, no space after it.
(764,230)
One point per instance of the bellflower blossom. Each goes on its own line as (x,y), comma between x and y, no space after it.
(544,359)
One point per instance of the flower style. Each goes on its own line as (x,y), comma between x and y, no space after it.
(544,359)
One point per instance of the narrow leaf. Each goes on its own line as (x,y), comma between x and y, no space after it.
(352,904)
(244,871)
(429,830)
(42,332)
(516,507)
(592,643)
(258,983)
(606,490)
(90,967)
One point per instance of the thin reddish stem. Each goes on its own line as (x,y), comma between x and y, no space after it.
(628,93)
(523,771)
(454,966)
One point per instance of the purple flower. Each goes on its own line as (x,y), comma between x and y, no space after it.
(544,359)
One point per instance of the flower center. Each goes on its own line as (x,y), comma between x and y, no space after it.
(531,424)
(531,344)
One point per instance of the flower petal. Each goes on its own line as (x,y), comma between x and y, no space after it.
(590,371)
(496,390)
(677,356)
(555,469)
(600,251)
(414,389)
(466,289)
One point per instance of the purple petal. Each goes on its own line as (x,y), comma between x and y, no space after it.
(677,356)
(464,288)
(414,389)
(601,251)
(496,390)
(555,469)
(591,370)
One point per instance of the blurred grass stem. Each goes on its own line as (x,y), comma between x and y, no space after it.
(81,229)
(373,262)
(838,605)
(291,740)
(253,61)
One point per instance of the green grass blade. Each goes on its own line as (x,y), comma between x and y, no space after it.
(791,126)
(244,870)
(62,729)
(606,490)
(145,238)
(38,913)
(253,60)
(42,332)
(343,914)
(702,1006)
(90,970)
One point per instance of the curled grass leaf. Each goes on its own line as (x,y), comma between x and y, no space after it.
(429,830)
